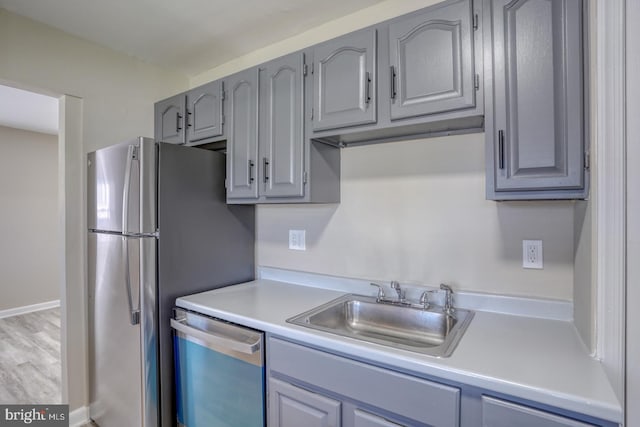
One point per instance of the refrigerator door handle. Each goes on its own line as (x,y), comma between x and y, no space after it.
(134,313)
(209,337)
(131,155)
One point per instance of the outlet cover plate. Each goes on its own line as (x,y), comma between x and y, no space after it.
(532,254)
(297,240)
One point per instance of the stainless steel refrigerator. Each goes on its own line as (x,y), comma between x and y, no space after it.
(159,228)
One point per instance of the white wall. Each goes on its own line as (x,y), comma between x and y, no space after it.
(414,211)
(28,219)
(116,102)
(365,17)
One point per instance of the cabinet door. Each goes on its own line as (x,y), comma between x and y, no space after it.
(204,112)
(291,406)
(344,81)
(538,84)
(242,135)
(169,120)
(431,58)
(499,413)
(281,134)
(367,419)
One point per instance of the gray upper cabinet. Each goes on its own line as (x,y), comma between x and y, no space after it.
(432,62)
(344,79)
(204,112)
(535,125)
(194,117)
(270,159)
(170,120)
(281,131)
(242,132)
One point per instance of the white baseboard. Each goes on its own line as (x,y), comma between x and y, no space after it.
(79,417)
(29,308)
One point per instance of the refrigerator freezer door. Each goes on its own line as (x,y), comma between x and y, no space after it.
(121,186)
(118,384)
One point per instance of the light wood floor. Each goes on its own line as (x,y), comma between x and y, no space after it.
(30,358)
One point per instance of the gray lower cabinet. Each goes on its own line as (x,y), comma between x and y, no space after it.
(500,413)
(535,117)
(242,132)
(291,406)
(431,60)
(362,418)
(344,81)
(310,387)
(192,118)
(363,394)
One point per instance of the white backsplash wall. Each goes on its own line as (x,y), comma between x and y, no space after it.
(415,211)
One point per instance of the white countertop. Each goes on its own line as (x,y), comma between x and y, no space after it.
(531,358)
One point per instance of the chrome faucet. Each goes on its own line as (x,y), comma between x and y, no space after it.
(396,286)
(448,298)
(381,296)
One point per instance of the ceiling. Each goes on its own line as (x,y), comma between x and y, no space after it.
(26,110)
(189,36)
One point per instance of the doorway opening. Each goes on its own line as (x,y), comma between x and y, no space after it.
(30,289)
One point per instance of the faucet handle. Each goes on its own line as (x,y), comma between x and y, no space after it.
(381,295)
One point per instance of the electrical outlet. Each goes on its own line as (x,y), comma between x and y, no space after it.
(297,240)
(532,254)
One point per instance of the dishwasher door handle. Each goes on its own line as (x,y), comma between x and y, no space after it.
(216,339)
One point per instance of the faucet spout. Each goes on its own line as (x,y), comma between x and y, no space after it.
(396,286)
(448,298)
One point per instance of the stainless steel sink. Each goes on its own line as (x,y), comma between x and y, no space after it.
(412,328)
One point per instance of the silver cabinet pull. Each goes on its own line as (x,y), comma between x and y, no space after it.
(216,339)
(501,149)
(393,82)
(265,165)
(189,124)
(367,87)
(251,164)
(178,117)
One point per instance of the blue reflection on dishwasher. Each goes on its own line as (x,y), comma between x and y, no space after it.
(213,389)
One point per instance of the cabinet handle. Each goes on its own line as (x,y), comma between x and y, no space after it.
(188,117)
(393,82)
(265,164)
(501,149)
(251,164)
(178,117)
(367,87)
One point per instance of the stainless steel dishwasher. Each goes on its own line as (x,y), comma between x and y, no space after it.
(219,369)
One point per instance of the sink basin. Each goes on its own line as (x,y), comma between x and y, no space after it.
(430,331)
